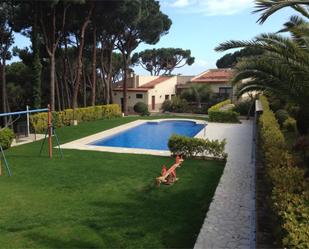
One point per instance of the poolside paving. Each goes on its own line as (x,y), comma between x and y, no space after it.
(230,220)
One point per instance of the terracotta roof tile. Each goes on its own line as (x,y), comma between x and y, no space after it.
(151,84)
(144,87)
(139,89)
(215,76)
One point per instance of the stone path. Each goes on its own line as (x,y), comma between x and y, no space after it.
(230,221)
(26,140)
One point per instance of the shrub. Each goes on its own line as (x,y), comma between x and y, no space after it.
(6,138)
(175,105)
(64,118)
(166,106)
(244,107)
(196,147)
(290,124)
(281,116)
(290,195)
(141,108)
(222,116)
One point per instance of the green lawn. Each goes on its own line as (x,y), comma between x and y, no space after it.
(101,200)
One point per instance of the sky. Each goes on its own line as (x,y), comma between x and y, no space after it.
(201,25)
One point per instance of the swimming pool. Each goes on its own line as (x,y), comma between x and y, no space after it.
(150,135)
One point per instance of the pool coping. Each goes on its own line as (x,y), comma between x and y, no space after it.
(84,143)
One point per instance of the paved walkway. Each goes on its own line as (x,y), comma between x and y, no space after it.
(230,221)
(26,140)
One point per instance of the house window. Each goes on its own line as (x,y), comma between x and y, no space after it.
(172,96)
(167,97)
(225,91)
(139,96)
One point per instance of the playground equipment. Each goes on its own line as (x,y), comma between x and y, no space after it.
(168,176)
(2,157)
(50,131)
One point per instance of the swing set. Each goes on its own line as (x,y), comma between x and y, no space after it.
(50,132)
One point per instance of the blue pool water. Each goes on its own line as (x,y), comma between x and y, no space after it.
(151,135)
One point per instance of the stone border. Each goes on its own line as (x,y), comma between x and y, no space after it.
(84,143)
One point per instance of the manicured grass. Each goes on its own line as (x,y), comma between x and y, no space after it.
(101,200)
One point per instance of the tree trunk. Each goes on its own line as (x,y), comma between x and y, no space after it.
(36,62)
(79,59)
(3,91)
(103,74)
(94,66)
(65,74)
(57,93)
(52,39)
(52,81)
(85,89)
(125,87)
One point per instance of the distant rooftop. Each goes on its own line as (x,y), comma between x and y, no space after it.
(214,76)
(145,87)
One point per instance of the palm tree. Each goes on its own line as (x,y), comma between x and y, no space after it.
(282,69)
(269,7)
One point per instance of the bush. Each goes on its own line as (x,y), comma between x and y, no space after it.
(64,118)
(290,124)
(175,105)
(141,108)
(6,138)
(196,147)
(226,116)
(281,116)
(290,194)
(166,106)
(244,107)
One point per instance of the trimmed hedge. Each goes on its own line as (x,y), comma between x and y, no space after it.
(64,118)
(290,192)
(226,116)
(6,138)
(141,108)
(197,147)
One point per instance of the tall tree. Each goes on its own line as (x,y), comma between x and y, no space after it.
(81,14)
(164,60)
(6,40)
(140,21)
(230,60)
(26,21)
(52,15)
(36,60)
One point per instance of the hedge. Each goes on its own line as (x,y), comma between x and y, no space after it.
(197,147)
(222,116)
(290,191)
(141,108)
(6,138)
(64,118)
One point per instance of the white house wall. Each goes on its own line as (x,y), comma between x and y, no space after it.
(167,87)
(132,100)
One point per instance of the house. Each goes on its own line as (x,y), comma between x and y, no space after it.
(219,81)
(152,90)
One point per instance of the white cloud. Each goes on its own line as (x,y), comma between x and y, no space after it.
(211,7)
(180,3)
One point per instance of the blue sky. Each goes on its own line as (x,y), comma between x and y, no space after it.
(200,25)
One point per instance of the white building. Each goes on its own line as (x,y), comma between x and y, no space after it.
(152,90)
